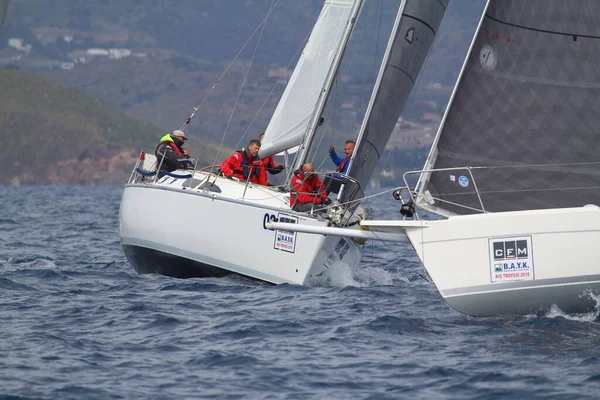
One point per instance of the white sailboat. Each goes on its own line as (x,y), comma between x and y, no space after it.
(515,168)
(225,228)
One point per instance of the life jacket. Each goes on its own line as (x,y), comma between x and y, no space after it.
(168,140)
(342,164)
(305,189)
(247,163)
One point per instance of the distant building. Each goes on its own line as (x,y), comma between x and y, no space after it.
(430,117)
(97,52)
(67,65)
(116,54)
(17,43)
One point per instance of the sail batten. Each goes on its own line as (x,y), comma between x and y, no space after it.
(524,114)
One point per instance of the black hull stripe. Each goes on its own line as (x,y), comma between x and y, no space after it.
(150,261)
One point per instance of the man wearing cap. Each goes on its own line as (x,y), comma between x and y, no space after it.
(170,152)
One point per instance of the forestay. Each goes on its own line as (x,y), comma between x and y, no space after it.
(293,115)
(412,36)
(525,112)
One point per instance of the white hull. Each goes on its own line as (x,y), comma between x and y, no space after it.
(511,263)
(183,232)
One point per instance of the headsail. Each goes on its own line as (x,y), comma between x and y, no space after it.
(414,30)
(524,114)
(294,113)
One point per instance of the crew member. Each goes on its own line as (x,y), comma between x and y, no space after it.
(170,153)
(334,182)
(307,192)
(245,165)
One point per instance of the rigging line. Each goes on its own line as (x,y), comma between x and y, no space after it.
(519,191)
(322,136)
(229,66)
(385,244)
(535,165)
(264,25)
(274,87)
(458,205)
(370,196)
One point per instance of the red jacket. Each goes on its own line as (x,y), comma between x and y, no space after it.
(241,165)
(306,190)
(270,166)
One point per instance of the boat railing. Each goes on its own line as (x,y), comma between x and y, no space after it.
(430,199)
(333,182)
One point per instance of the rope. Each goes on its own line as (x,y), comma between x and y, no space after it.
(535,165)
(230,64)
(264,24)
(273,89)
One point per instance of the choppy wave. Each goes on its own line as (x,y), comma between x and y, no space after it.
(77,322)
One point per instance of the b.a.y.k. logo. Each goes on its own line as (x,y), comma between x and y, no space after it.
(511,259)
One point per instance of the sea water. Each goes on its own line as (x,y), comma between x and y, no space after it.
(76,322)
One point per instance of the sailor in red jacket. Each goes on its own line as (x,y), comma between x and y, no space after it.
(307,191)
(245,165)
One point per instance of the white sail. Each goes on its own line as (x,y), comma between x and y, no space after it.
(296,109)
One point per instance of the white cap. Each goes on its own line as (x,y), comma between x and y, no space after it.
(179,133)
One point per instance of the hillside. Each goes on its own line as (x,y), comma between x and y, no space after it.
(177,53)
(155,62)
(56,134)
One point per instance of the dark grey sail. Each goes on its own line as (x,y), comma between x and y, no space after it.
(3,11)
(414,31)
(525,113)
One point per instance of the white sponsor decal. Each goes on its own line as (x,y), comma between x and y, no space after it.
(285,240)
(511,259)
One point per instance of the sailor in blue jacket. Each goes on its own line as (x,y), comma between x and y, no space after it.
(342,163)
(334,182)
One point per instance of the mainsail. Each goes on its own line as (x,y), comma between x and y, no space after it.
(413,33)
(297,108)
(524,114)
